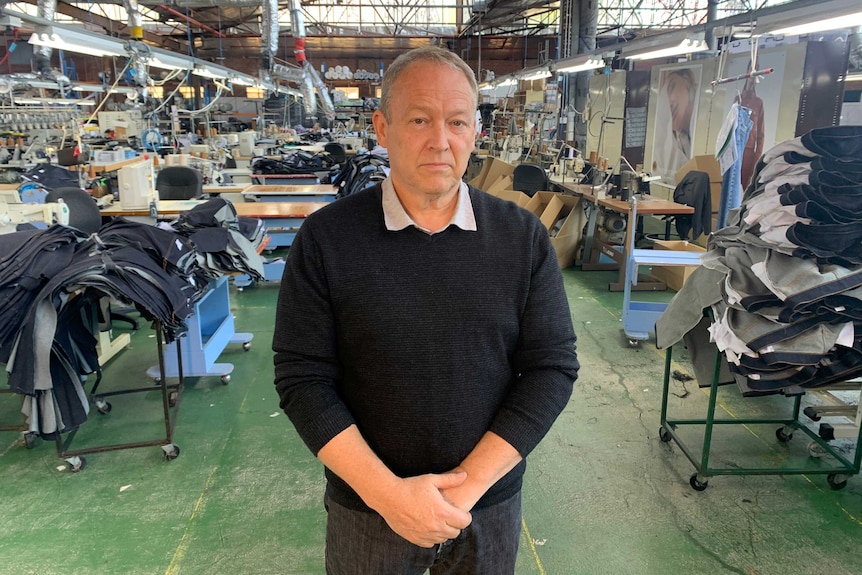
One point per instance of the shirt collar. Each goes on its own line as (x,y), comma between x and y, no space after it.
(397,218)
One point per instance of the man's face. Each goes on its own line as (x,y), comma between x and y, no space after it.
(430,130)
(680,103)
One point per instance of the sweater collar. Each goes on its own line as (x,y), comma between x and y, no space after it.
(397,218)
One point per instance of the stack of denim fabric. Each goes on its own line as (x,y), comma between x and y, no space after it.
(784,278)
(224,242)
(52,280)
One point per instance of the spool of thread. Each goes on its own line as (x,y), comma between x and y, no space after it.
(593,156)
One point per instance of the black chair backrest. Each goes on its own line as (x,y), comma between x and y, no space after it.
(179,183)
(84,214)
(529,178)
(335,151)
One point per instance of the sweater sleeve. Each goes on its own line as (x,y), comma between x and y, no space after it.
(304,342)
(545,360)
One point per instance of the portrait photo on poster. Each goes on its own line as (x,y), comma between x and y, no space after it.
(678,94)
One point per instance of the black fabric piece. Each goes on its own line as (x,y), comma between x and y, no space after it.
(693,190)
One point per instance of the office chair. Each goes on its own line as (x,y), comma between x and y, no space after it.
(336,152)
(529,178)
(84,214)
(179,183)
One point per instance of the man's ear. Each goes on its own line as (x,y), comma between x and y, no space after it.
(380,126)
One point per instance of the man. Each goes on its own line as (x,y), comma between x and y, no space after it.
(423,344)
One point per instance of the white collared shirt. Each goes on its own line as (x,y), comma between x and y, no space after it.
(397,218)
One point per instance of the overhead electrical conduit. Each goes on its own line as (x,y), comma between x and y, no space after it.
(309,80)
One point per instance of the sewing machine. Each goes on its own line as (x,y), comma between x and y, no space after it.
(14,212)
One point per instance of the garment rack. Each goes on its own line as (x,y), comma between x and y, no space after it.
(836,474)
(171,395)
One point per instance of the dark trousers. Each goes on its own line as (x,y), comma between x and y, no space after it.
(361,543)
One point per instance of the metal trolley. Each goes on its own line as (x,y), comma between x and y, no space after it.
(837,474)
(171,394)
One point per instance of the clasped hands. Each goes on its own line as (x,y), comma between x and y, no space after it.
(430,509)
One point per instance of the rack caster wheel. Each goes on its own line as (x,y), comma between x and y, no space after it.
(784,434)
(225,379)
(76,464)
(29,440)
(837,481)
(634,342)
(239,289)
(157,381)
(172,399)
(811,413)
(103,407)
(172,451)
(664,435)
(697,484)
(246,346)
(815,450)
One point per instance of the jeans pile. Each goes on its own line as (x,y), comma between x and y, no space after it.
(784,279)
(51,282)
(224,242)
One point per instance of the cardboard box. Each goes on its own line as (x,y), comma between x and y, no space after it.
(553,208)
(503,183)
(674,276)
(709,165)
(492,169)
(520,198)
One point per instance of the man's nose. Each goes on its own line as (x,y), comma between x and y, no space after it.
(439,136)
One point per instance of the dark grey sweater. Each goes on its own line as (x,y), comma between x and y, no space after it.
(426,342)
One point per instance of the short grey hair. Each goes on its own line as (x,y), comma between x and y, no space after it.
(431,54)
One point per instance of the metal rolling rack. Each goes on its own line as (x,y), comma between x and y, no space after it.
(836,474)
(171,394)
(27,436)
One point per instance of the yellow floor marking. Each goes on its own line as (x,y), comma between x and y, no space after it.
(183,547)
(532,547)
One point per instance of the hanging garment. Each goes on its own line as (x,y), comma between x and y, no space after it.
(731,143)
(693,190)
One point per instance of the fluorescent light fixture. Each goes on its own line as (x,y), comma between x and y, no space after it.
(536,74)
(245,80)
(78,41)
(855,77)
(486,86)
(168,62)
(664,46)
(54,101)
(89,88)
(509,81)
(123,90)
(849,21)
(581,64)
(211,72)
(818,17)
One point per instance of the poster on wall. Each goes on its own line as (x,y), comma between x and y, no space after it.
(676,119)
(763,98)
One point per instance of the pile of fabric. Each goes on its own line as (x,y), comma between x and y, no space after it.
(359,172)
(784,279)
(51,282)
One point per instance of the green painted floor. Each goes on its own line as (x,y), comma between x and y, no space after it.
(602,494)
